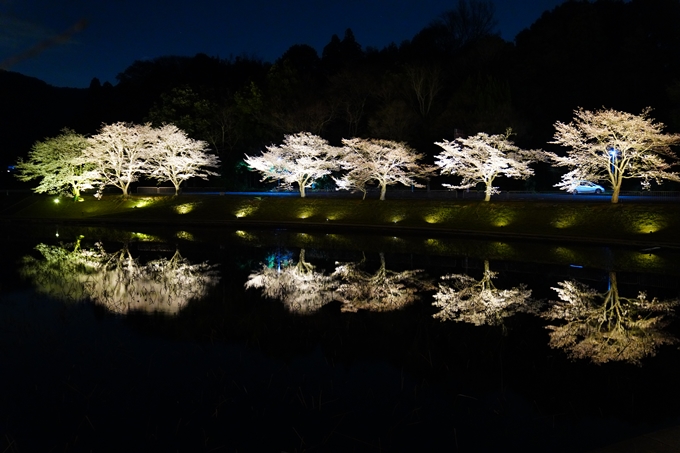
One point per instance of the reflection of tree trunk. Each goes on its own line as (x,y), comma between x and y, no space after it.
(607,326)
(612,312)
(486,279)
(303,267)
(479,301)
(380,276)
(382,290)
(299,287)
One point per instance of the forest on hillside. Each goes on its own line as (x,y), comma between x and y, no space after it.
(454,78)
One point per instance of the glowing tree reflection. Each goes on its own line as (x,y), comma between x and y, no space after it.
(117,280)
(383,290)
(606,326)
(59,273)
(301,289)
(162,285)
(479,302)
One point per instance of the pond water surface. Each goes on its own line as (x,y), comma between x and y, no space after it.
(276,340)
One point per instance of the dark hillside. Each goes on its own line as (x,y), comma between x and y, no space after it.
(31,110)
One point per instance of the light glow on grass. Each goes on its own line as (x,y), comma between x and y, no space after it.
(305,214)
(649,225)
(501,222)
(566,221)
(56,200)
(142,202)
(245,211)
(503,218)
(184,208)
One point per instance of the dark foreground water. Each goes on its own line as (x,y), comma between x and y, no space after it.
(223,340)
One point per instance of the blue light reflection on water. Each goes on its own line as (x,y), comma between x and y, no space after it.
(238,370)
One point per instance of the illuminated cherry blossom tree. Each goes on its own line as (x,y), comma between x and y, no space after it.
(608,145)
(382,161)
(175,157)
(56,162)
(301,159)
(482,158)
(382,290)
(606,326)
(119,152)
(462,298)
(299,286)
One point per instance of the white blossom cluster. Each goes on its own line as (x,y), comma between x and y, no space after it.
(117,156)
(304,290)
(604,146)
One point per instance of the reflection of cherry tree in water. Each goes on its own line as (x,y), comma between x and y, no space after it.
(479,302)
(117,280)
(606,326)
(301,289)
(164,285)
(383,290)
(58,275)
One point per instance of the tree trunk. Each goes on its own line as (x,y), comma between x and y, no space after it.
(487,192)
(302,191)
(615,193)
(383,189)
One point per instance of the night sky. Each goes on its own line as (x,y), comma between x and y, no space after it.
(68,42)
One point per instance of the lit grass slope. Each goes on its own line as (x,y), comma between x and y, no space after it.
(654,223)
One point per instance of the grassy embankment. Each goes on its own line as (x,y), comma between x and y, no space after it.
(656,223)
